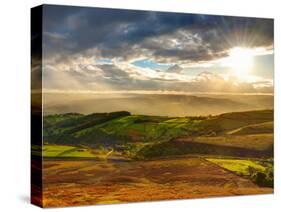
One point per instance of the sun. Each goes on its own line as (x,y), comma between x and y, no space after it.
(240,60)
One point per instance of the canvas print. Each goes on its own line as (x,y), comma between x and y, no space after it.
(132,106)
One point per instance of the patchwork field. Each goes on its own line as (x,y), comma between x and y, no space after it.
(68,182)
(121,157)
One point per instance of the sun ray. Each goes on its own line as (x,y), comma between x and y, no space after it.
(240,60)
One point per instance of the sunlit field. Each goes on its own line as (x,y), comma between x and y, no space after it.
(68,183)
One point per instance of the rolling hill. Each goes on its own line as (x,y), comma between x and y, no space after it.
(140,136)
(173,105)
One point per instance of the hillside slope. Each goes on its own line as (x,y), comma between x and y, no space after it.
(261,128)
(129,133)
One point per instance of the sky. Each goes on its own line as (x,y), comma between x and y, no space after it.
(110,50)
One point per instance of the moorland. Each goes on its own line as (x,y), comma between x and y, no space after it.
(122,157)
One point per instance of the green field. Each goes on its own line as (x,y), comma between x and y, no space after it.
(64,151)
(239,166)
(261,172)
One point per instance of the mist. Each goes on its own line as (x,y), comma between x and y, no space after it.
(174,105)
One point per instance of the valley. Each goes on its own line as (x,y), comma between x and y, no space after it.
(122,157)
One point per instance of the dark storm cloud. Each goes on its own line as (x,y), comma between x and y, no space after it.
(175,69)
(114,74)
(130,33)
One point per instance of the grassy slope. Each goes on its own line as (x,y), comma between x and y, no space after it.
(238,166)
(256,142)
(150,136)
(261,128)
(108,182)
(260,172)
(66,151)
(231,121)
(176,147)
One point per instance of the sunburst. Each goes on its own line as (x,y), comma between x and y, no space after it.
(240,60)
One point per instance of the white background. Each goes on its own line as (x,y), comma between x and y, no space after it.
(15,98)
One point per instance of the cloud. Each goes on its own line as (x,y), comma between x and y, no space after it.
(175,68)
(82,75)
(164,36)
(94,49)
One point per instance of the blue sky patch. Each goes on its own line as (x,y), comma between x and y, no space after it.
(146,63)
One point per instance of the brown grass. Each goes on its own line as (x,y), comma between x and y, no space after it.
(68,183)
(253,142)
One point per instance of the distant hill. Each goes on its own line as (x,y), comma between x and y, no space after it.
(155,104)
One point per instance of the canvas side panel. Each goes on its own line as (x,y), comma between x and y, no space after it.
(36,106)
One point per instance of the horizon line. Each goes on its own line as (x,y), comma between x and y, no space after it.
(160,92)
